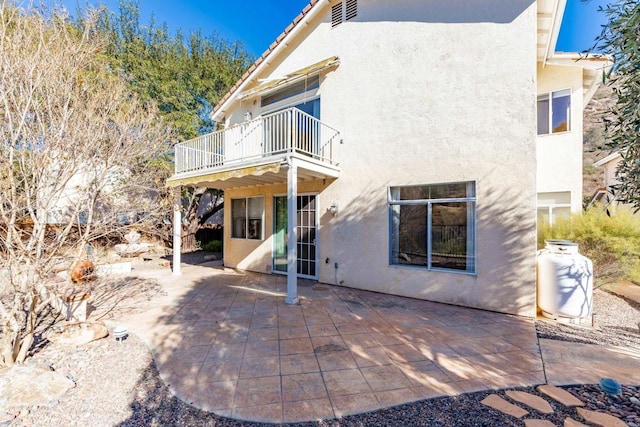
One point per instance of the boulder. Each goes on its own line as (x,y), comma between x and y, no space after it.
(36,385)
(79,334)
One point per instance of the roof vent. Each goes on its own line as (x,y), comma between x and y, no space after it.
(336,14)
(352,9)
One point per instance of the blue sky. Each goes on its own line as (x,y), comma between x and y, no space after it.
(259,22)
(582,23)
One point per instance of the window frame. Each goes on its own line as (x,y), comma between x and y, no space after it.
(548,96)
(471,202)
(247,219)
(550,207)
(306,88)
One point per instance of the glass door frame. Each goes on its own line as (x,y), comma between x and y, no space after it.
(315,243)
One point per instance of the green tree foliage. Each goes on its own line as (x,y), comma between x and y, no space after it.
(621,39)
(184,75)
(612,242)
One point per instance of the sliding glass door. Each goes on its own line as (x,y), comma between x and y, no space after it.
(307,230)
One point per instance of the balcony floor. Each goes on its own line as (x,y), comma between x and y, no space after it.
(263,171)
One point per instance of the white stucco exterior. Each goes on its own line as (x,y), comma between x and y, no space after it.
(560,154)
(425,93)
(422,95)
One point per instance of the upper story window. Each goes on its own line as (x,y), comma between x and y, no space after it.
(306,88)
(554,112)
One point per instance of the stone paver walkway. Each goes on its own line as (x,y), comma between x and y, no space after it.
(538,404)
(226,342)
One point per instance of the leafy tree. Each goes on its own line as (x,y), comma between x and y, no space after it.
(77,148)
(184,75)
(621,39)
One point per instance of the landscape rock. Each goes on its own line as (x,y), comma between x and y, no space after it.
(600,419)
(562,396)
(496,402)
(570,422)
(132,237)
(535,402)
(31,385)
(79,334)
(538,423)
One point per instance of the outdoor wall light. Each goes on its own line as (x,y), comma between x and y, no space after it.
(247,116)
(334,208)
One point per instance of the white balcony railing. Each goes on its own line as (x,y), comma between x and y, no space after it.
(285,131)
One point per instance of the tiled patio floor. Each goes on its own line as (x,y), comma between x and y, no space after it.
(226,342)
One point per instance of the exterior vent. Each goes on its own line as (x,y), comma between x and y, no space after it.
(352,9)
(336,14)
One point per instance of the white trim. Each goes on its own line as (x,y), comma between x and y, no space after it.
(473,271)
(556,23)
(317,243)
(290,102)
(246,212)
(549,95)
(610,157)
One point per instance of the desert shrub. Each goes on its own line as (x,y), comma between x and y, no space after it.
(212,246)
(612,242)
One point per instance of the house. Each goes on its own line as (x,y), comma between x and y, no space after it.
(400,147)
(604,194)
(566,82)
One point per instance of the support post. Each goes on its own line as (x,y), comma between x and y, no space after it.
(292,228)
(177,230)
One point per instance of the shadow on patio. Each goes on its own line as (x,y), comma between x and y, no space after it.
(226,342)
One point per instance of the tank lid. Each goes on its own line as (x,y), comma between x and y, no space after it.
(560,242)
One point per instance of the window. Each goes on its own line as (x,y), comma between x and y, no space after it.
(303,89)
(554,112)
(552,206)
(247,216)
(433,226)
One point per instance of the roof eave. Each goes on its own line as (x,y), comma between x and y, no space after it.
(555,29)
(300,21)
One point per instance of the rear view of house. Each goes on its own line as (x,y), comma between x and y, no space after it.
(394,147)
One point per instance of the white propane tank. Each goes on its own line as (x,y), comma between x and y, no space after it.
(565,281)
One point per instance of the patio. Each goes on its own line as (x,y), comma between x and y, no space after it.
(226,342)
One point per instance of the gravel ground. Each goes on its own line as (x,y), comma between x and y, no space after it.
(117,384)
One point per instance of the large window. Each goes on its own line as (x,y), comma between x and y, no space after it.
(554,112)
(247,215)
(553,205)
(433,226)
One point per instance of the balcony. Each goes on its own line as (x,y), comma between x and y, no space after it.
(268,139)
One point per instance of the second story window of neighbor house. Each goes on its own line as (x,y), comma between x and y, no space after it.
(343,11)
(554,112)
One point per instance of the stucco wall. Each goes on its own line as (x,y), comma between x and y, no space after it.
(426,92)
(560,154)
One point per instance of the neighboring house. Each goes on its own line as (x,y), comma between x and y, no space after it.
(604,195)
(566,83)
(67,197)
(401,147)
